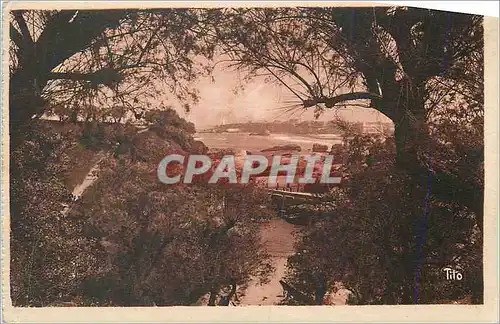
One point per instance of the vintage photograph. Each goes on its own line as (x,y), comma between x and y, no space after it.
(245,156)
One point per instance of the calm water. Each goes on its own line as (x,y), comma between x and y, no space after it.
(257,143)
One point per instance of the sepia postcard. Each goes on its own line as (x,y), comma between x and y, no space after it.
(249,162)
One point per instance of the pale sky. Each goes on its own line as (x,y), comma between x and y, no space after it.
(259,101)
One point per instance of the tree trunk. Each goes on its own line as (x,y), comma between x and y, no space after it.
(320,289)
(213,296)
(24,102)
(233,291)
(444,185)
(319,295)
(403,100)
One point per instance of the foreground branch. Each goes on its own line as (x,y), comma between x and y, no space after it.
(330,102)
(106,76)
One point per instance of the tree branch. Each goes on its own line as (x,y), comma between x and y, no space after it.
(21,22)
(148,44)
(16,36)
(75,76)
(330,102)
(106,76)
(61,39)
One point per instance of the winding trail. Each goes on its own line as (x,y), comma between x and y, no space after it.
(89,179)
(278,237)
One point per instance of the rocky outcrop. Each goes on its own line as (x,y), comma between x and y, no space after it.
(287,147)
(262,133)
(338,153)
(337,148)
(319,148)
(198,147)
(219,153)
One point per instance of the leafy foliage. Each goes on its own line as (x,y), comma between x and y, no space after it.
(375,245)
(128,232)
(193,240)
(49,253)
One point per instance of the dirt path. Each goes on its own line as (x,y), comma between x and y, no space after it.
(279,239)
(89,179)
(269,294)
